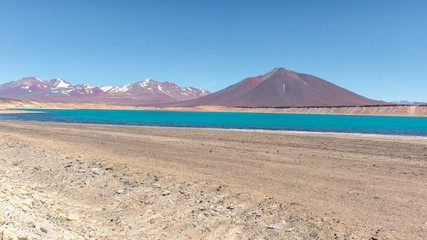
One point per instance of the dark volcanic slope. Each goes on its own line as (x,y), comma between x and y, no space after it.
(281,87)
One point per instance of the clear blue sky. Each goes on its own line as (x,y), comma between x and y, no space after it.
(375,48)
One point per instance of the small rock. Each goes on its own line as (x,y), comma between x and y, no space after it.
(28,202)
(165,193)
(25,193)
(216,208)
(43,230)
(96,171)
(25,208)
(120,191)
(200,193)
(152,221)
(32,224)
(21,236)
(231,207)
(72,217)
(273,226)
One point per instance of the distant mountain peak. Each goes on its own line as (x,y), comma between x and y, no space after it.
(278,70)
(408,102)
(33,79)
(145,92)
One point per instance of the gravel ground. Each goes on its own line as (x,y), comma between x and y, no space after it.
(65,181)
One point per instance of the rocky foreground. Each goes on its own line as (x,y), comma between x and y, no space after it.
(46,194)
(83,181)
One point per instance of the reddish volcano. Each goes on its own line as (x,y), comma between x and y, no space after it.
(281,87)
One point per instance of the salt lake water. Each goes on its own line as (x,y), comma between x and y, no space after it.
(415,126)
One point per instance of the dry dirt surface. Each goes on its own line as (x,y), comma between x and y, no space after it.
(77,181)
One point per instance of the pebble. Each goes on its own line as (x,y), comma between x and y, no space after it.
(72,217)
(165,193)
(43,230)
(32,224)
(273,226)
(96,171)
(231,207)
(28,202)
(152,221)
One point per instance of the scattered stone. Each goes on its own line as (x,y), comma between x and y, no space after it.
(28,202)
(152,221)
(72,217)
(231,207)
(96,171)
(200,193)
(32,224)
(273,226)
(21,235)
(43,230)
(165,193)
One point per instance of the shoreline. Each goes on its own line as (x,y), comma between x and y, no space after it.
(392,110)
(16,111)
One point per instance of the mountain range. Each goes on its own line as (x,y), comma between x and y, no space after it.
(278,88)
(146,92)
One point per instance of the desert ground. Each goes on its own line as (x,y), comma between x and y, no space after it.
(81,181)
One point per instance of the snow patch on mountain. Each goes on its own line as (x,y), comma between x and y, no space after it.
(146,92)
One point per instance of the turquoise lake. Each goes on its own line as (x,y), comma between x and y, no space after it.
(416,126)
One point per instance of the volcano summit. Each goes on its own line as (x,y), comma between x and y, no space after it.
(282,88)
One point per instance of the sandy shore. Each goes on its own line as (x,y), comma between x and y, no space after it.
(10,111)
(129,182)
(414,111)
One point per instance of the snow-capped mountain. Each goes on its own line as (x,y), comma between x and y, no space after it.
(146,92)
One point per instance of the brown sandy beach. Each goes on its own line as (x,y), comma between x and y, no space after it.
(130,182)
